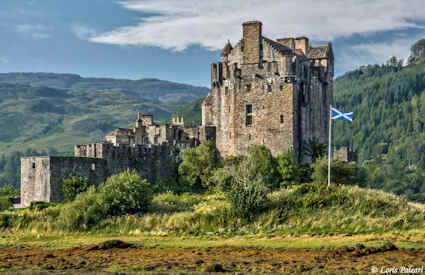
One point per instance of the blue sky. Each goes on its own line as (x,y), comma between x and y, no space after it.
(178,40)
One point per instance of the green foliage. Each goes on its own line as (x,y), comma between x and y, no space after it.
(40,205)
(192,112)
(341,173)
(314,149)
(84,213)
(198,165)
(287,169)
(9,191)
(247,194)
(4,203)
(417,51)
(126,193)
(262,166)
(74,185)
(389,126)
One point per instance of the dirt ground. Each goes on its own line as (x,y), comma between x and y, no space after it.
(121,256)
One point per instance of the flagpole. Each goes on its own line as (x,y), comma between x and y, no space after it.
(330,146)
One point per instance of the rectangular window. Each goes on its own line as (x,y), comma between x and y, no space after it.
(33,165)
(226,90)
(248,114)
(281,118)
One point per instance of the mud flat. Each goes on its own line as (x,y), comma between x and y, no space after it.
(121,256)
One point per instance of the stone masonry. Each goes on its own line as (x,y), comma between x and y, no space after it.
(150,149)
(275,93)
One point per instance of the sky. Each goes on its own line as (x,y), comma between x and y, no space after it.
(177,40)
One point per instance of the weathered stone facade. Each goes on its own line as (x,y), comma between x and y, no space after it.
(275,93)
(345,154)
(151,150)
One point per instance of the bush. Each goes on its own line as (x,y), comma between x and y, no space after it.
(4,203)
(126,193)
(199,164)
(85,212)
(341,173)
(262,166)
(74,185)
(9,191)
(247,196)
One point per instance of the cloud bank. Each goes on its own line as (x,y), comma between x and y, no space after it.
(179,24)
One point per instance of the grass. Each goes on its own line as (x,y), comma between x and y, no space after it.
(309,215)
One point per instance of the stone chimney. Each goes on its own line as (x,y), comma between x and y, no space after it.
(288,42)
(301,43)
(252,42)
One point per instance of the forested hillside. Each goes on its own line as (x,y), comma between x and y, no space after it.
(389,126)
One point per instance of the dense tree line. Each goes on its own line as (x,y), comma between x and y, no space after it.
(389,127)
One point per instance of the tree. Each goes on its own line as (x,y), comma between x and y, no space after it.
(262,166)
(74,185)
(314,149)
(199,164)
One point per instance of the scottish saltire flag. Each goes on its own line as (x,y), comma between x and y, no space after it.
(336,114)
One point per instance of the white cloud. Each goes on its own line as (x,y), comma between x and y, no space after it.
(83,32)
(179,24)
(36,31)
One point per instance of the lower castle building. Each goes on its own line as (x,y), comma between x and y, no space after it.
(268,92)
(150,149)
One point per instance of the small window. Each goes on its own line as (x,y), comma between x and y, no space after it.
(249,136)
(248,114)
(248,87)
(226,90)
(281,87)
(269,88)
(33,165)
(156,140)
(93,166)
(229,109)
(281,118)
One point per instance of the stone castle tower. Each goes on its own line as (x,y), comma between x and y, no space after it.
(275,93)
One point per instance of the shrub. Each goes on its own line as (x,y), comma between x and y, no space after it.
(341,173)
(4,203)
(85,212)
(126,193)
(223,178)
(199,164)
(9,191)
(74,185)
(247,196)
(262,166)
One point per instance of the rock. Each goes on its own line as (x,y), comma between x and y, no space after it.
(389,247)
(359,246)
(214,268)
(111,244)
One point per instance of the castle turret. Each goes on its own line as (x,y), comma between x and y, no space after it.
(139,121)
(226,51)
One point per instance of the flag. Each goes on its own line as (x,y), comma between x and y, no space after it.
(336,114)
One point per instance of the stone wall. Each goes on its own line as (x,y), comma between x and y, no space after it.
(42,177)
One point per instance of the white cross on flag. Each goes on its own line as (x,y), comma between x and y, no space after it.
(336,114)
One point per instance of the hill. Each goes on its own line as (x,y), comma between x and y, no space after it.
(157,91)
(44,113)
(389,126)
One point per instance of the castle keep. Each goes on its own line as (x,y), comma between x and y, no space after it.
(275,93)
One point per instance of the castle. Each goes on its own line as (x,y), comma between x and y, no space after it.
(275,93)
